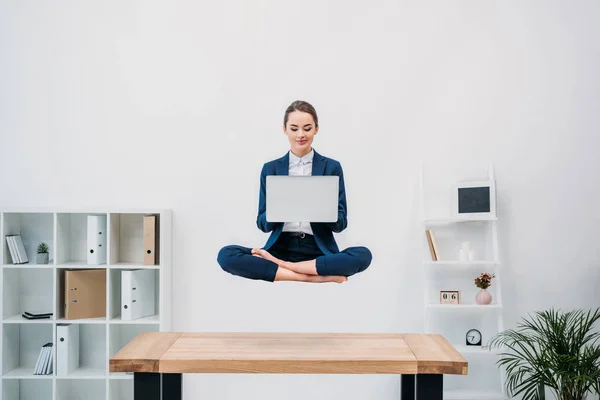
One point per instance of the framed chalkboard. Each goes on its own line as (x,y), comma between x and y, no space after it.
(477,198)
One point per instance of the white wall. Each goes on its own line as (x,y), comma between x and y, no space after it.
(178,104)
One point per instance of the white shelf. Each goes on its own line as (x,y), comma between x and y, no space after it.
(464,306)
(450,272)
(454,220)
(462,263)
(473,395)
(24,373)
(124,265)
(99,320)
(464,349)
(154,319)
(27,266)
(40,288)
(120,376)
(86,373)
(80,264)
(18,319)
(461,266)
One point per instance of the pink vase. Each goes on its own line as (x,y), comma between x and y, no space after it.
(483,297)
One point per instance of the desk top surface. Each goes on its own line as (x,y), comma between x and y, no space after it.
(307,353)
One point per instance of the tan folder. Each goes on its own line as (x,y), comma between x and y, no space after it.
(151,240)
(85,293)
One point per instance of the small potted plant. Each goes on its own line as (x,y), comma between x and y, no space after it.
(483,282)
(42,254)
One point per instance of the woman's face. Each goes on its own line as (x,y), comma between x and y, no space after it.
(300,131)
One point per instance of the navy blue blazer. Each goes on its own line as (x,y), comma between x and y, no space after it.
(323,231)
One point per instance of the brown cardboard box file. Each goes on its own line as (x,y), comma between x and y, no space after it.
(85,293)
(151,239)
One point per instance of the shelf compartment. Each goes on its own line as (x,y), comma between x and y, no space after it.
(72,247)
(120,335)
(27,289)
(482,383)
(462,281)
(450,238)
(60,299)
(75,389)
(455,331)
(27,389)
(127,247)
(92,352)
(121,389)
(21,345)
(115,306)
(34,229)
(477,385)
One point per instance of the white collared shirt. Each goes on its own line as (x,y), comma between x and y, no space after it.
(300,167)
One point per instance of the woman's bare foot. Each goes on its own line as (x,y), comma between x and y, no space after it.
(332,278)
(267,256)
(302,267)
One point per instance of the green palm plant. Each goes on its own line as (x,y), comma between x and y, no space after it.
(553,349)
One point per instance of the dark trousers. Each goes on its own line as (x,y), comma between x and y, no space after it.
(238,260)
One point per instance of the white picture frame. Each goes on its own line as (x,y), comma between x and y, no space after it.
(467,208)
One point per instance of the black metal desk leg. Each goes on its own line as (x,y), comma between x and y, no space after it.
(430,386)
(407,387)
(157,386)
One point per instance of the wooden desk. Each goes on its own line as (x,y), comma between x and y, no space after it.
(158,359)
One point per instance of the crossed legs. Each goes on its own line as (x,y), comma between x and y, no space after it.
(297,271)
(273,266)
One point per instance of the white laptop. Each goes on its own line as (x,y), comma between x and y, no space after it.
(302,198)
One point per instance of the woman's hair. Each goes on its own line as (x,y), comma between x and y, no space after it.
(303,106)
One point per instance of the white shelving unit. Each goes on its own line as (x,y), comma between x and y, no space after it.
(485,381)
(36,288)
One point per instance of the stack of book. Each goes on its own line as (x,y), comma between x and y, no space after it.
(28,315)
(44,361)
(17,250)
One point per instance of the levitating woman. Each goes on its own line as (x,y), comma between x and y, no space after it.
(298,251)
